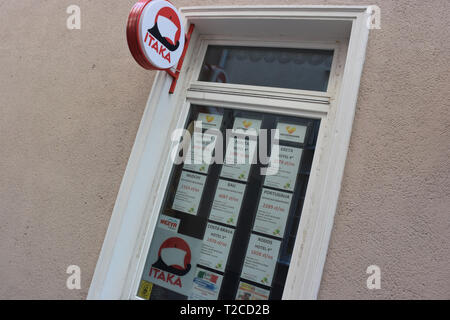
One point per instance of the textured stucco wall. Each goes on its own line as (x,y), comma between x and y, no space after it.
(70,106)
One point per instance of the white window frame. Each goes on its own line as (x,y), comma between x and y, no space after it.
(142,190)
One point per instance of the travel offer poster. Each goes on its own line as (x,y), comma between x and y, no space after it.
(283,168)
(239,157)
(216,246)
(200,152)
(241,149)
(189,192)
(168,223)
(227,202)
(273,211)
(261,259)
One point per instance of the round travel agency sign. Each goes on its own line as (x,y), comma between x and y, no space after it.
(155,34)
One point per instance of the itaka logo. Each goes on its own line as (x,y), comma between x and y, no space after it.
(167,28)
(155,34)
(174,256)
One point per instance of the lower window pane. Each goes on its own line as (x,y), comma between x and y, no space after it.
(232,207)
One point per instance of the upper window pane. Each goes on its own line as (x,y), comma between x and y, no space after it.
(304,69)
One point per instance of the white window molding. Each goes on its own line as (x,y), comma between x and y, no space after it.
(141,193)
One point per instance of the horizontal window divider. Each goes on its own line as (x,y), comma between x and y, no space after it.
(263,92)
(285,107)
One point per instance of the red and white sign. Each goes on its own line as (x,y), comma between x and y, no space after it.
(169,223)
(171,261)
(155,34)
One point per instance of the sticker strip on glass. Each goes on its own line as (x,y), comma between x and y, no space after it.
(168,223)
(248,291)
(206,285)
(189,192)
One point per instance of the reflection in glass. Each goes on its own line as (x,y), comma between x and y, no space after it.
(304,69)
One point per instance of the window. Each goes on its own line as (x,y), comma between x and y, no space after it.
(227,230)
(232,215)
(222,77)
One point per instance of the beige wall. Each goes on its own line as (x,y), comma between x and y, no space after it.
(70,106)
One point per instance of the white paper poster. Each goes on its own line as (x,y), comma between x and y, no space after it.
(200,152)
(189,192)
(168,223)
(239,157)
(171,261)
(227,202)
(247,291)
(216,246)
(206,285)
(261,259)
(240,153)
(247,126)
(283,169)
(273,211)
(209,121)
(292,132)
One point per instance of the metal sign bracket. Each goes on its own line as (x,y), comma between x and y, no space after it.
(175,74)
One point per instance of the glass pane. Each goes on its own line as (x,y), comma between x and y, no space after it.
(304,69)
(226,231)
